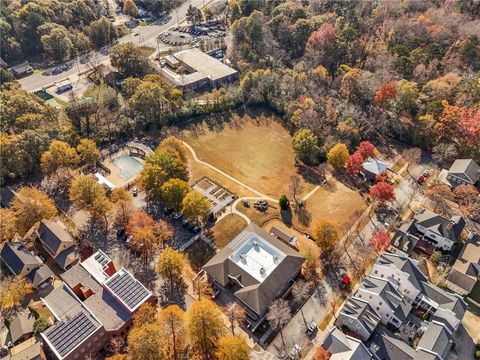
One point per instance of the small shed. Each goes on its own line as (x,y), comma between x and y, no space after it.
(374,167)
(288,239)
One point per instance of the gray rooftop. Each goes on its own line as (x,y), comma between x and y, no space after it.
(436,339)
(6,196)
(101,303)
(257,295)
(54,235)
(40,275)
(204,63)
(448,228)
(18,258)
(467,169)
(361,310)
(21,325)
(404,238)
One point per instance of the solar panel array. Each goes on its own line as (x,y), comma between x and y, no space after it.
(127,288)
(65,336)
(101,259)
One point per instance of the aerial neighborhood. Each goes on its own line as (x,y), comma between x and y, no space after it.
(241,179)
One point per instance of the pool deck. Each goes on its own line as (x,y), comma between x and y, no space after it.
(114,176)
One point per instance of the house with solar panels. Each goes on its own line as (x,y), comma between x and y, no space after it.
(95,303)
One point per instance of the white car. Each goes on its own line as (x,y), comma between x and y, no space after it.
(295,352)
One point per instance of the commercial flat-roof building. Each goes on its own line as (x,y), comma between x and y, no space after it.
(193,69)
(255,268)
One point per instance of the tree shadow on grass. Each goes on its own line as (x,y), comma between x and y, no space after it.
(332,269)
(309,174)
(286,216)
(173,295)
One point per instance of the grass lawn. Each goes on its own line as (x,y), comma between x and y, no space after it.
(146,50)
(336,203)
(256,151)
(227,228)
(101,93)
(256,216)
(198,171)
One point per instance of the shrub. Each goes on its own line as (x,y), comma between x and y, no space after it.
(40,325)
(283,202)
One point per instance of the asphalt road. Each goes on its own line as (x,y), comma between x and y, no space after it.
(147,36)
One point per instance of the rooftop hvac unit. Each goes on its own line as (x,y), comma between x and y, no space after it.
(262,271)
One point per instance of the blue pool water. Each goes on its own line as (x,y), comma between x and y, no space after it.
(128,165)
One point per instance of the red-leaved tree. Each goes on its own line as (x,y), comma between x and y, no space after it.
(366,149)
(139,219)
(354,163)
(385,92)
(382,192)
(380,241)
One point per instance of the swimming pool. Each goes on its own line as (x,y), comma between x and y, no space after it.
(128,165)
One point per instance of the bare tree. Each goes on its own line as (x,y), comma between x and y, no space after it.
(295,189)
(412,156)
(235,313)
(279,315)
(443,152)
(301,292)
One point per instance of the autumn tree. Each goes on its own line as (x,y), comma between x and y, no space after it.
(439,195)
(146,314)
(7,225)
(204,327)
(465,195)
(130,8)
(382,192)
(59,155)
(338,156)
(235,314)
(174,145)
(129,60)
(325,235)
(366,149)
(173,193)
(170,266)
(380,241)
(279,315)
(88,151)
(87,194)
(354,163)
(232,348)
(305,145)
(321,45)
(145,342)
(30,206)
(139,219)
(385,92)
(13,291)
(321,354)
(171,322)
(196,206)
(160,167)
(164,232)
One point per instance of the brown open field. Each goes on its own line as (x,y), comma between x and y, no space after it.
(227,228)
(335,203)
(256,151)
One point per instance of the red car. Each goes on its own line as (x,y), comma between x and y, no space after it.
(421,179)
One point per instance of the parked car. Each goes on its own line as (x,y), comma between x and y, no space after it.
(295,352)
(311,327)
(426,173)
(196,229)
(135,191)
(177,215)
(421,179)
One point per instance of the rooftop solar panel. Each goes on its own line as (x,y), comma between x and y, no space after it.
(67,335)
(127,288)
